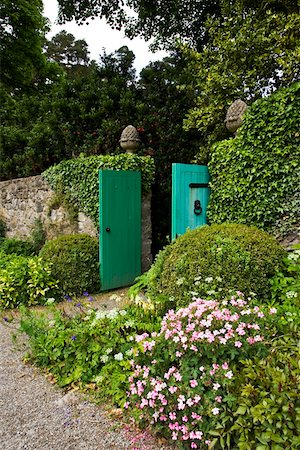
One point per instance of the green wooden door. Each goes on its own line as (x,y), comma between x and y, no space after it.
(120,227)
(190,195)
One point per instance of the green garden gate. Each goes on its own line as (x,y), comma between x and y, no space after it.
(190,195)
(120,227)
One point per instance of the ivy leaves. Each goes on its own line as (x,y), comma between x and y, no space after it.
(256,173)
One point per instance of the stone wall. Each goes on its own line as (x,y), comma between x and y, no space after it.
(25,200)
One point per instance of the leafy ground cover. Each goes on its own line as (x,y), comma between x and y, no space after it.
(221,372)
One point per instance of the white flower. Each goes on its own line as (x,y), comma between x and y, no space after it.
(219,279)
(100,315)
(294,256)
(112,314)
(180,281)
(98,379)
(215,411)
(104,358)
(122,312)
(193,293)
(197,278)
(129,323)
(291,294)
(50,301)
(118,356)
(208,279)
(108,350)
(211,292)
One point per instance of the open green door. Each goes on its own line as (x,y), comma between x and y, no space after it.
(120,227)
(190,196)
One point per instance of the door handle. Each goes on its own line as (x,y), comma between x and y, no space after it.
(197,207)
(107,229)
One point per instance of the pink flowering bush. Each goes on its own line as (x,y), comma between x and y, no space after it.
(182,375)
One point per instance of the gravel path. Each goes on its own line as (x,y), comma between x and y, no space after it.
(36,415)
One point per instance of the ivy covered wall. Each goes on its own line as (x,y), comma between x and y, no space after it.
(255,176)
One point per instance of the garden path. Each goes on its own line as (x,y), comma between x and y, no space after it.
(37,415)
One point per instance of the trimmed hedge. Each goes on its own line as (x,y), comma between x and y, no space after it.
(230,256)
(75,261)
(255,176)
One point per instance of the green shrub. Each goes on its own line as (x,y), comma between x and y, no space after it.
(265,411)
(38,235)
(88,347)
(17,246)
(75,261)
(224,373)
(25,281)
(2,228)
(255,176)
(228,256)
(285,285)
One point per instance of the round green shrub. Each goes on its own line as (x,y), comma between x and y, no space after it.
(75,261)
(231,256)
(17,246)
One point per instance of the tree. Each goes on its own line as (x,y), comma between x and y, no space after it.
(250,54)
(85,114)
(164,19)
(71,54)
(22,33)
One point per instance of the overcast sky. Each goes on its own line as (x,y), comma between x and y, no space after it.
(99,35)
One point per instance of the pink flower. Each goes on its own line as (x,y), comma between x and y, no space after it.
(173,389)
(225,366)
(185,419)
(273,311)
(193,383)
(193,445)
(216,386)
(172,415)
(218,399)
(229,374)
(177,376)
(238,344)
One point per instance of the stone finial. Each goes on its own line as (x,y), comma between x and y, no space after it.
(234,115)
(130,139)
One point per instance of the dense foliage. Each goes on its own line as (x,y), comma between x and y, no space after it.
(78,178)
(17,246)
(227,256)
(165,20)
(222,372)
(216,374)
(75,260)
(25,281)
(255,177)
(21,39)
(91,347)
(252,51)
(212,378)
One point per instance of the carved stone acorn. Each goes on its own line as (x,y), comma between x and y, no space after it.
(130,139)
(234,115)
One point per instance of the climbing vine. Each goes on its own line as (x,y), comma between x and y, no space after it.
(255,177)
(77,179)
